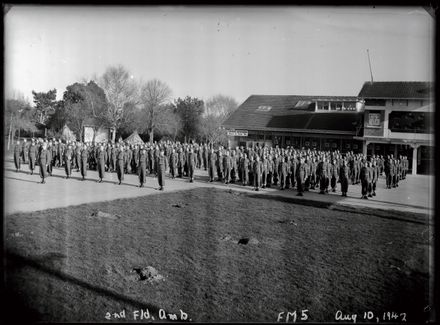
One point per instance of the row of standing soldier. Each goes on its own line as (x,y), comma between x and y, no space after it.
(258,166)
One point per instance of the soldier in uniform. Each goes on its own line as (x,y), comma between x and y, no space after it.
(101,158)
(32,156)
(276,161)
(270,168)
(313,165)
(343,177)
(257,173)
(17,158)
(234,171)
(376,170)
(114,157)
(142,163)
(191,164)
(364,176)
(251,168)
(78,156)
(226,167)
(25,151)
(334,175)
(53,147)
(219,165)
(205,156)
(180,162)
(67,159)
(392,172)
(307,182)
(160,167)
(173,163)
(83,161)
(387,170)
(300,176)
(156,153)
(397,172)
(245,170)
(283,172)
(211,165)
(264,169)
(120,161)
(151,159)
(199,157)
(135,159)
(370,179)
(43,161)
(322,174)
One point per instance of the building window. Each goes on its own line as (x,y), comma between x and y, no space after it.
(349,106)
(411,122)
(375,102)
(323,106)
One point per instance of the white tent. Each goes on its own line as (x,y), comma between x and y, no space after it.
(67,134)
(134,138)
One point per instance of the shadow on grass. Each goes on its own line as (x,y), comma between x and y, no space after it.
(410,217)
(14,260)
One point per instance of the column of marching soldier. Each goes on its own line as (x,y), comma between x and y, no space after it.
(257,166)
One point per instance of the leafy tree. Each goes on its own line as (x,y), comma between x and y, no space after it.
(190,111)
(57,120)
(97,104)
(84,103)
(44,104)
(168,122)
(120,90)
(153,94)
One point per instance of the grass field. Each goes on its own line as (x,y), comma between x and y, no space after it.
(67,265)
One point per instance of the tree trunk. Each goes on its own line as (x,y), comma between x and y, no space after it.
(114,134)
(151,135)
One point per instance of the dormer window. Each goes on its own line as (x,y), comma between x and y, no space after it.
(264,108)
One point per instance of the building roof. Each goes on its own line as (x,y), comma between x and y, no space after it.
(292,113)
(397,90)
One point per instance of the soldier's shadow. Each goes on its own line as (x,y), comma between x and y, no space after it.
(22,180)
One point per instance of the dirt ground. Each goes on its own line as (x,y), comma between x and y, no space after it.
(216,255)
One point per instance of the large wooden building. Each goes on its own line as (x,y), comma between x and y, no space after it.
(320,122)
(385,118)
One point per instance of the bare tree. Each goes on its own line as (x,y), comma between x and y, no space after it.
(220,105)
(153,94)
(120,89)
(217,110)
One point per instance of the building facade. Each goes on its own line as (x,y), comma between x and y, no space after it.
(385,118)
(310,122)
(398,120)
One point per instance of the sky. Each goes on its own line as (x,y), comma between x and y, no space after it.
(205,51)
